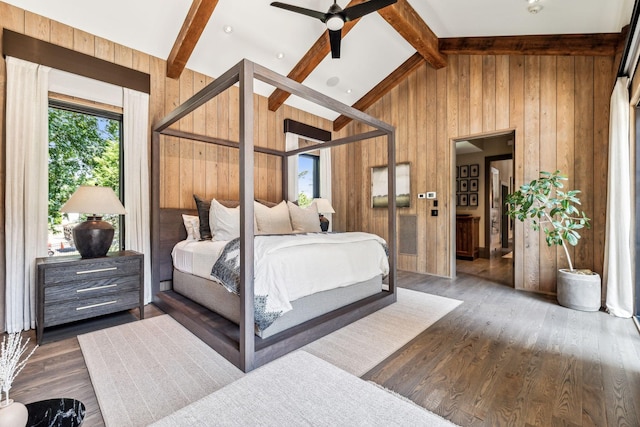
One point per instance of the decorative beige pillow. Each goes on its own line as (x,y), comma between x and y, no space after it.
(224,222)
(192,225)
(304,220)
(273,220)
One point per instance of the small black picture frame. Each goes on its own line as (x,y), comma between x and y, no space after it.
(473,185)
(474,170)
(464,185)
(457,171)
(457,185)
(473,199)
(463,200)
(464,171)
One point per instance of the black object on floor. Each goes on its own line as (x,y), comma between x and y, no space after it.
(55,413)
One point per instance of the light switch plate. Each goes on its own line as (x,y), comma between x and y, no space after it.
(431,194)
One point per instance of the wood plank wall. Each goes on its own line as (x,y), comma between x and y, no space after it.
(188,167)
(559,109)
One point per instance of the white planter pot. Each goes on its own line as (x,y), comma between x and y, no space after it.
(579,291)
(13,414)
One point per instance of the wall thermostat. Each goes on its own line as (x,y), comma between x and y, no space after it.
(431,194)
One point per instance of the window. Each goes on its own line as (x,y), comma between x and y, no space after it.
(308,178)
(85,148)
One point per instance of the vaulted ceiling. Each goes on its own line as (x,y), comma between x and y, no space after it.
(378,50)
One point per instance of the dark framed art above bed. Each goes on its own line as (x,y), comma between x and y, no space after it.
(232,333)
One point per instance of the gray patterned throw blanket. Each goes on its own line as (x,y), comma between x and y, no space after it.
(226,270)
(288,267)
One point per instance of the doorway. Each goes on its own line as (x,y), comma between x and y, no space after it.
(483,232)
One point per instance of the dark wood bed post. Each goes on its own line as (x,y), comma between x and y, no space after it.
(391,244)
(247,340)
(155,213)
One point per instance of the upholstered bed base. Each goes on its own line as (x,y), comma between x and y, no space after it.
(216,298)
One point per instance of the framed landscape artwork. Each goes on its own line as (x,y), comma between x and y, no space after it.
(379,186)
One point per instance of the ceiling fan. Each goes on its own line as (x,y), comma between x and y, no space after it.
(336,17)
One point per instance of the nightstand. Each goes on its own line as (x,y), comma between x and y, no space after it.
(70,288)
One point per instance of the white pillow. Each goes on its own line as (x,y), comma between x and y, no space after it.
(304,220)
(273,220)
(192,225)
(224,221)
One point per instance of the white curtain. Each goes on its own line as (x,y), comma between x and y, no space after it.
(325,180)
(136,182)
(26,197)
(291,143)
(618,279)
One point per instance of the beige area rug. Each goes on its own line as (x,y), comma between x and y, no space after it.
(360,346)
(143,371)
(307,391)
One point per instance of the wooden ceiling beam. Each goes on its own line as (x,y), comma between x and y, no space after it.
(382,88)
(192,28)
(605,44)
(310,61)
(406,21)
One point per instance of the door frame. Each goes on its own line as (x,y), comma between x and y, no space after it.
(487,204)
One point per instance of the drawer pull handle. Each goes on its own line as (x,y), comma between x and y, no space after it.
(96,305)
(96,288)
(97,270)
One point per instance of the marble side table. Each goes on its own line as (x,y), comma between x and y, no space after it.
(55,413)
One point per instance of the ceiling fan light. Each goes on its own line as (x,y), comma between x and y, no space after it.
(335,23)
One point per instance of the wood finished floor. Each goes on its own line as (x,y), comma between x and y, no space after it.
(502,358)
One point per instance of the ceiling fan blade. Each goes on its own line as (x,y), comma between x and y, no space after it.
(359,10)
(334,39)
(304,11)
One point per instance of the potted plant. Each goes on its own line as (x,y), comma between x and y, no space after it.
(545,205)
(11,351)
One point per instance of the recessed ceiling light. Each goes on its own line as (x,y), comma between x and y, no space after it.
(280,55)
(333,81)
(348,90)
(534,8)
(532,1)
(227,29)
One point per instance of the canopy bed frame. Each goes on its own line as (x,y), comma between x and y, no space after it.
(238,343)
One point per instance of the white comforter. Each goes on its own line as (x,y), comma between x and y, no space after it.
(289,267)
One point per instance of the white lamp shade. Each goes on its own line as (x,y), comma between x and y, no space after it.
(91,199)
(323,206)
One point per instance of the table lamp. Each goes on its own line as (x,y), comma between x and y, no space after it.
(93,237)
(324,207)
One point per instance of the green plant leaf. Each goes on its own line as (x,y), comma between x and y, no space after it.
(571,239)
